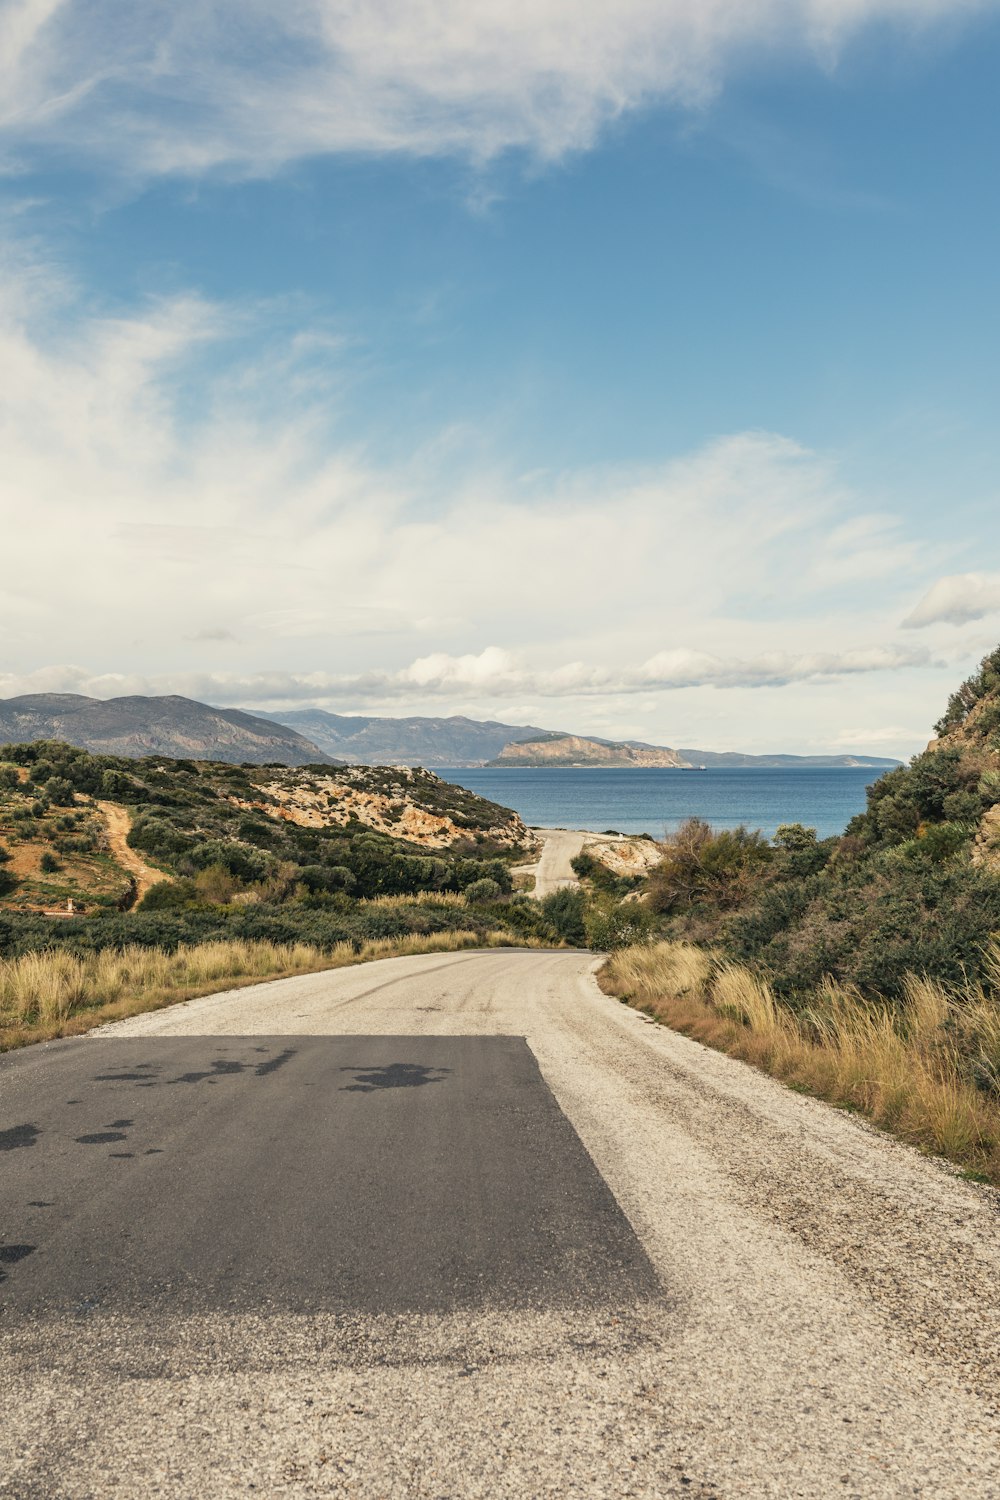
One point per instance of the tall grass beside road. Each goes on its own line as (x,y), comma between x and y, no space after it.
(928,1068)
(60,993)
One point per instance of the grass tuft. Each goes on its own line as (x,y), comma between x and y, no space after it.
(52,994)
(928,1070)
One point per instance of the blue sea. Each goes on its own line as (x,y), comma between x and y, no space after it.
(657,801)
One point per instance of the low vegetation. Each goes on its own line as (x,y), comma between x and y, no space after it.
(273,867)
(865,968)
(57,992)
(307,844)
(929,1070)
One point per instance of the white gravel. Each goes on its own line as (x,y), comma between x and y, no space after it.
(829,1321)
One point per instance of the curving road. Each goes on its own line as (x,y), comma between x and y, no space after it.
(560,846)
(460,1225)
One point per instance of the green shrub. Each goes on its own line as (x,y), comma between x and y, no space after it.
(483,890)
(169,895)
(49,864)
(59,791)
(564,910)
(964,699)
(620,924)
(794,838)
(700,865)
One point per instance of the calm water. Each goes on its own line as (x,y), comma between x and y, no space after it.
(657,801)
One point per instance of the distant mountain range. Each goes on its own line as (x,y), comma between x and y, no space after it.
(461,743)
(134,727)
(406,742)
(183,728)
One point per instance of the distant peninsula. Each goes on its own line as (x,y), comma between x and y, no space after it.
(462,743)
(572,750)
(138,726)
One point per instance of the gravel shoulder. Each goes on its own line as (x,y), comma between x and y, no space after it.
(827,1324)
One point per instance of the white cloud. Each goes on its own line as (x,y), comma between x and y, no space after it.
(493,673)
(189,85)
(956,600)
(179,523)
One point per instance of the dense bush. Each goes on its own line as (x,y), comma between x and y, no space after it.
(564,911)
(700,865)
(985,682)
(899,892)
(483,890)
(157,923)
(617,924)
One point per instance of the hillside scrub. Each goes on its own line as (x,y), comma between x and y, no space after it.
(927,1070)
(270,853)
(58,993)
(911,887)
(864,968)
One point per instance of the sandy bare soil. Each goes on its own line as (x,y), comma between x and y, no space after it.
(825,1321)
(119,823)
(560,846)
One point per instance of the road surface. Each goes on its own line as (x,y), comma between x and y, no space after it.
(459,1225)
(560,846)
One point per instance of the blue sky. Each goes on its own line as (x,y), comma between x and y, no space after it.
(630,369)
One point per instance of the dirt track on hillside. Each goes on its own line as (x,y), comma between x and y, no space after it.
(119,823)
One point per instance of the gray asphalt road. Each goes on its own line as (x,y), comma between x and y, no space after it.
(462,1226)
(376,1174)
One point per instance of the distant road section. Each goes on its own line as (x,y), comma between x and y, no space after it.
(460,1225)
(560,846)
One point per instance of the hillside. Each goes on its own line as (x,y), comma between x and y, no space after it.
(138,726)
(462,742)
(912,886)
(575,750)
(98,831)
(454,741)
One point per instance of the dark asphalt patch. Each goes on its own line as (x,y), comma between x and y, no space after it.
(396,1076)
(18,1136)
(382,1174)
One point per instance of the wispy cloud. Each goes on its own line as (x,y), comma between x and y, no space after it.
(250,84)
(956,600)
(492,673)
(172,518)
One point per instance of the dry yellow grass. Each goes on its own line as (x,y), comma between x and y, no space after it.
(928,1071)
(55,993)
(424,898)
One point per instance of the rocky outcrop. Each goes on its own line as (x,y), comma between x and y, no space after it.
(414,805)
(575,750)
(626,856)
(986,844)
